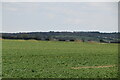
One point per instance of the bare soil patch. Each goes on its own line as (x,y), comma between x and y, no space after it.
(92,67)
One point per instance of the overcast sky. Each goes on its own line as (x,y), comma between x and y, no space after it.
(66,16)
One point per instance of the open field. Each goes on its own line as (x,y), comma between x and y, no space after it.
(54,59)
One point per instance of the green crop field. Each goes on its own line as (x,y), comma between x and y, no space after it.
(54,59)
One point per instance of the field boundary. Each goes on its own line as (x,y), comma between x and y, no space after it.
(85,67)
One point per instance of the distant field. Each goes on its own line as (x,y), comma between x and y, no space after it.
(54,59)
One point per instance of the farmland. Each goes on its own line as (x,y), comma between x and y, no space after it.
(55,59)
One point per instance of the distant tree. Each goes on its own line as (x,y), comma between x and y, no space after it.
(83,40)
(101,37)
(101,40)
(72,40)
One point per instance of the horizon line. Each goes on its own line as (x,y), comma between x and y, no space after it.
(61,31)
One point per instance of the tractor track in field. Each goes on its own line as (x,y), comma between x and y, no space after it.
(85,67)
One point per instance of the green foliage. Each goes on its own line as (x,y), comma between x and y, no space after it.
(45,36)
(54,59)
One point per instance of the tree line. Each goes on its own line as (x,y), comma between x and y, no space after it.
(64,36)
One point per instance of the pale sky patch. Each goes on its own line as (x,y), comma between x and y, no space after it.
(59,0)
(67,16)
